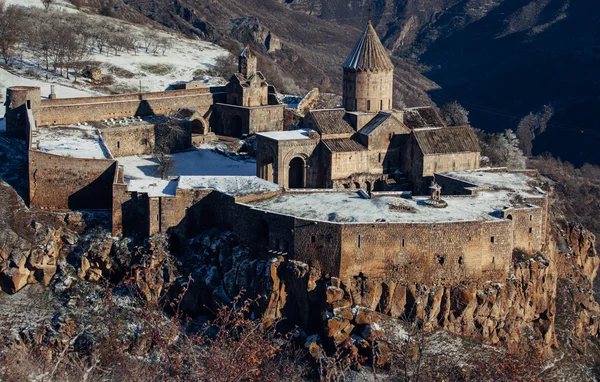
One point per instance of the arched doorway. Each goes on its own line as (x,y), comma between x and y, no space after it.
(236,126)
(368,185)
(357,185)
(296,174)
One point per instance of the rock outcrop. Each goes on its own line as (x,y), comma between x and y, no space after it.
(518,312)
(24,262)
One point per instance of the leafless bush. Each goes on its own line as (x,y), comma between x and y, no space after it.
(531,126)
(454,114)
(502,149)
(224,67)
(576,191)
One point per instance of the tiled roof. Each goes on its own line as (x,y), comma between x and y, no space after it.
(368,53)
(343,145)
(331,121)
(447,140)
(374,123)
(419,117)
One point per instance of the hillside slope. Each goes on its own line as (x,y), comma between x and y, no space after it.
(500,58)
(299,47)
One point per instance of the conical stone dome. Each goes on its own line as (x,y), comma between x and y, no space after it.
(368,75)
(368,53)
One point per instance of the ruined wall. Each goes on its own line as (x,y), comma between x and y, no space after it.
(61,183)
(73,110)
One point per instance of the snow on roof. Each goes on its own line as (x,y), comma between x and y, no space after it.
(230,185)
(71,141)
(290,135)
(499,180)
(154,188)
(351,208)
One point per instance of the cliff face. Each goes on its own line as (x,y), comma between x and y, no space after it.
(519,311)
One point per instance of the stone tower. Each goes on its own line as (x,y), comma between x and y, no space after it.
(20,99)
(368,75)
(247,62)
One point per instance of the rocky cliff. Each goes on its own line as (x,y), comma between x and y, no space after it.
(519,312)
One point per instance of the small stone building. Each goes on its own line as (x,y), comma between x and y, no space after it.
(250,105)
(366,144)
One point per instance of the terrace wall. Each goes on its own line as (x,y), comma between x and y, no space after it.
(61,183)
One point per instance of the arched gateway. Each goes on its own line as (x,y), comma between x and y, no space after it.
(296,173)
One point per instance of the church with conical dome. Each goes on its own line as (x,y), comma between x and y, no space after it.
(366,143)
(368,75)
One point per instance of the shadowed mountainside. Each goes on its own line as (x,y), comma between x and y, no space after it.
(501,59)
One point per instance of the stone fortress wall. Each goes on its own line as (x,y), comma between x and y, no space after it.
(404,251)
(64,111)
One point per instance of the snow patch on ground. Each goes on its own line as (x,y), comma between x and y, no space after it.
(202,161)
(70,141)
(62,88)
(60,5)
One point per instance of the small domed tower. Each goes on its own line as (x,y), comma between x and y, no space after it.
(19,99)
(368,75)
(247,62)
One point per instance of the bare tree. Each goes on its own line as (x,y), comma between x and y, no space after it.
(167,138)
(531,126)
(454,114)
(11,28)
(148,40)
(502,149)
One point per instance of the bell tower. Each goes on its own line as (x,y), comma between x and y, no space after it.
(368,75)
(247,62)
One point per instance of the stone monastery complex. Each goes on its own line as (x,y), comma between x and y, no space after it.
(341,190)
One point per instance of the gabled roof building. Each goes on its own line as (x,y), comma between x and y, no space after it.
(366,143)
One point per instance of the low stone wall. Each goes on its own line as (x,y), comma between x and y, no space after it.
(129,140)
(62,183)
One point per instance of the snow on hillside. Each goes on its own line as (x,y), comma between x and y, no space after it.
(183,60)
(61,5)
(62,88)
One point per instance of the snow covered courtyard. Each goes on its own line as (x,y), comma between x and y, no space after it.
(203,161)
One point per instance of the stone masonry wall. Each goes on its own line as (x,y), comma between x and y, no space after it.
(73,110)
(267,118)
(61,183)
(129,140)
(426,252)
